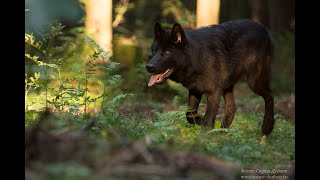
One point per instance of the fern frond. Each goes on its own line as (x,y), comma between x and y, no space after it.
(40,63)
(31,40)
(112,80)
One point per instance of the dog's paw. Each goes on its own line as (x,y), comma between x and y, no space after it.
(195,119)
(267,125)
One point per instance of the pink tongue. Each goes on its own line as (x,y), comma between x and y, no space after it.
(153,79)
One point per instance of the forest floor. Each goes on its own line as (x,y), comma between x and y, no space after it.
(152,140)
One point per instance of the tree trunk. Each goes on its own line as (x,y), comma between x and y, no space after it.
(234,9)
(207,12)
(99,22)
(259,11)
(281,14)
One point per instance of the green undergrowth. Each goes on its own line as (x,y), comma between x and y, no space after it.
(238,144)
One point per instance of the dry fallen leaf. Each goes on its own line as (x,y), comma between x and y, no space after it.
(263,140)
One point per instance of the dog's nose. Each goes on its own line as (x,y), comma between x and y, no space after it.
(150,68)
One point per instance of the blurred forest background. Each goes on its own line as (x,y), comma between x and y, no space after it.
(85,71)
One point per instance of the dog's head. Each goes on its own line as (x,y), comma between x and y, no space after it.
(167,53)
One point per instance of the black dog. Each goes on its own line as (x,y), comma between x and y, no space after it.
(210,60)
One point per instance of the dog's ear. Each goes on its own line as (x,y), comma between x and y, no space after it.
(177,35)
(158,31)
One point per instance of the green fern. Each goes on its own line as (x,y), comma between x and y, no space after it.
(30,39)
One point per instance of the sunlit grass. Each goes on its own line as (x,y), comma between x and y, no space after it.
(238,144)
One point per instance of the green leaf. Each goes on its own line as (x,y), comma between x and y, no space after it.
(119,97)
(33,58)
(30,39)
(40,63)
(112,65)
(37,75)
(217,124)
(113,79)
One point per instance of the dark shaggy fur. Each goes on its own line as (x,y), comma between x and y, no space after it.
(210,60)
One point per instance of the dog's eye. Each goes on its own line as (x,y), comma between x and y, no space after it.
(167,52)
(153,51)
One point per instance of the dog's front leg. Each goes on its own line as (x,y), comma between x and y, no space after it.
(193,103)
(212,109)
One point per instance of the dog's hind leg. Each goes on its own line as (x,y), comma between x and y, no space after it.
(258,79)
(193,103)
(230,107)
